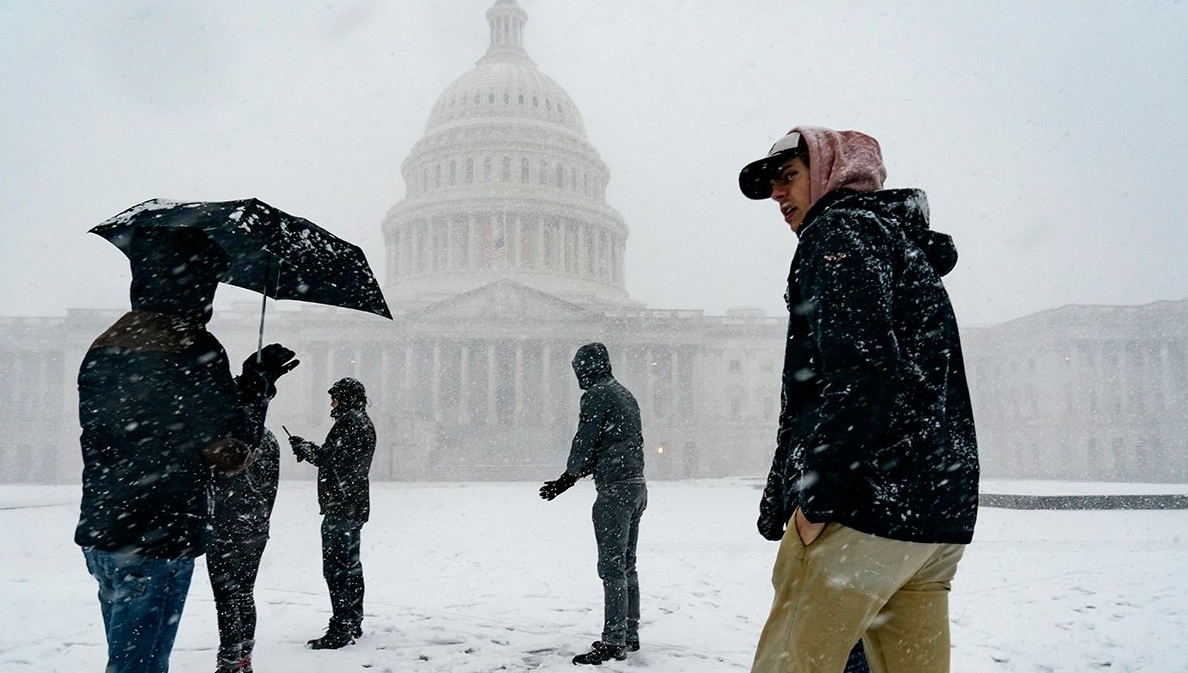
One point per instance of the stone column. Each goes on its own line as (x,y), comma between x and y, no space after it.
(491,391)
(546,386)
(464,384)
(435,393)
(675,397)
(519,407)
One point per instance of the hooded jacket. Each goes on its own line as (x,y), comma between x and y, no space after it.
(344,461)
(243,501)
(154,391)
(609,438)
(876,427)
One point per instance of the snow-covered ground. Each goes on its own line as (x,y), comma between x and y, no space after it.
(487,577)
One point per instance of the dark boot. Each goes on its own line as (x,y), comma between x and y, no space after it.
(600,652)
(632,645)
(335,638)
(245,656)
(227,665)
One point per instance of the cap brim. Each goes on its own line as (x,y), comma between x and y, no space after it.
(755,178)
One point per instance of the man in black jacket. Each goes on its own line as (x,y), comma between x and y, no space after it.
(875,473)
(158,409)
(343,462)
(609,445)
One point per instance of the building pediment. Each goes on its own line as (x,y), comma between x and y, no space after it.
(508,302)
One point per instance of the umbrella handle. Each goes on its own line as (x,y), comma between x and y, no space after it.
(264,305)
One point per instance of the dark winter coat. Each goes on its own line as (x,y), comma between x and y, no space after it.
(343,462)
(876,427)
(154,391)
(243,501)
(609,438)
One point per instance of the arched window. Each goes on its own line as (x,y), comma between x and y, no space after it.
(469,170)
(486,169)
(544,171)
(525,168)
(453,172)
(506,175)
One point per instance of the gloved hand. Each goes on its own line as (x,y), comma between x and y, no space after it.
(274,361)
(300,447)
(552,489)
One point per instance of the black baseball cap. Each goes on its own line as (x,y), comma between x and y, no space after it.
(755,178)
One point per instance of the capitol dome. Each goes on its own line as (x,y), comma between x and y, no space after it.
(504,185)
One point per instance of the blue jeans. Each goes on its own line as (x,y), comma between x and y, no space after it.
(617,512)
(141,599)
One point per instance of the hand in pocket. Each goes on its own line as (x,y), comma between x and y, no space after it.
(807,530)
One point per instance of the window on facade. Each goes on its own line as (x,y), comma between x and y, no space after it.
(453,172)
(560,176)
(487,169)
(437,175)
(469,170)
(506,175)
(544,171)
(525,168)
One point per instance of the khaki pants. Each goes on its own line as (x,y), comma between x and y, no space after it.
(849,585)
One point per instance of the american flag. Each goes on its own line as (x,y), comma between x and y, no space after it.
(496,243)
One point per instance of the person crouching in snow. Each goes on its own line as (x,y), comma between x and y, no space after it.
(609,445)
(239,531)
(344,497)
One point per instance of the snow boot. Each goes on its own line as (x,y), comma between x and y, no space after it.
(227,665)
(600,652)
(335,638)
(633,645)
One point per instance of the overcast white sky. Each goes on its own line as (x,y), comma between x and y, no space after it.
(1049,136)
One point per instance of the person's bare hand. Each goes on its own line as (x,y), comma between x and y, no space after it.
(807,530)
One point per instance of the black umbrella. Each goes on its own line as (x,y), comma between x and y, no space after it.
(272,252)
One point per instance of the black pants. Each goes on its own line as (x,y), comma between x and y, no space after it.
(617,512)
(233,566)
(343,570)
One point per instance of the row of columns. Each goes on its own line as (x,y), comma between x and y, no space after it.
(579,248)
(436,378)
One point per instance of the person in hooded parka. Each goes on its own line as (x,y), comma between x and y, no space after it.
(344,497)
(239,532)
(159,409)
(609,445)
(875,473)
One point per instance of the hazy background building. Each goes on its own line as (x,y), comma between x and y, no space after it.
(504,257)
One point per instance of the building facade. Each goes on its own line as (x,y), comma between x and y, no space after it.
(504,257)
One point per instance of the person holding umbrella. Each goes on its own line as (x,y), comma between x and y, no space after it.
(343,462)
(160,411)
(609,445)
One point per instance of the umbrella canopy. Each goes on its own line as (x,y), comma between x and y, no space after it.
(272,252)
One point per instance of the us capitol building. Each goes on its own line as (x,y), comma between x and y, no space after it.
(504,257)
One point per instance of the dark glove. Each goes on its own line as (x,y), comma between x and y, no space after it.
(552,489)
(300,447)
(273,362)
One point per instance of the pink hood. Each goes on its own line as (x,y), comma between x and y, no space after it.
(838,159)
